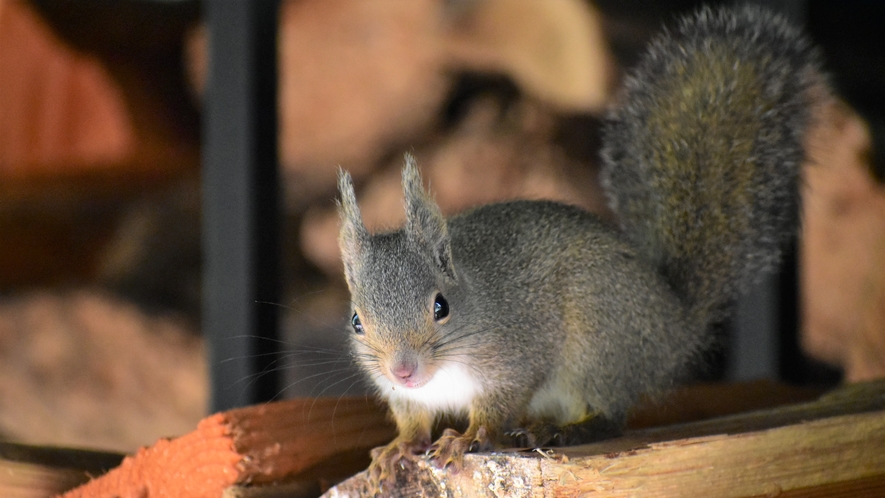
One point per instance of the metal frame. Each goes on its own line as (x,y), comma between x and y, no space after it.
(241,202)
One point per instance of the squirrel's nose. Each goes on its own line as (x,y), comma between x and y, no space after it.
(404,370)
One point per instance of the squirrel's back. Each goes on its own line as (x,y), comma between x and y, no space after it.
(702,159)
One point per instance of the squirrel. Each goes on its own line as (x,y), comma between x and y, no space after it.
(541,324)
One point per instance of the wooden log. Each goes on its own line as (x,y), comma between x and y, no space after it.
(261,444)
(833,445)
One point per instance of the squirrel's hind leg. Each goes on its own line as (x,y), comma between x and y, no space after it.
(541,433)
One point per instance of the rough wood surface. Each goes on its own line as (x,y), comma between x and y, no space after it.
(834,445)
(254,445)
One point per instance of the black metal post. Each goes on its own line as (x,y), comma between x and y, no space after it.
(241,202)
(768,313)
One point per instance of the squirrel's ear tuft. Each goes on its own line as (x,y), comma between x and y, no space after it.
(353,237)
(425,224)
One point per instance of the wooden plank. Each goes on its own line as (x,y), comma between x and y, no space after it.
(831,445)
(261,444)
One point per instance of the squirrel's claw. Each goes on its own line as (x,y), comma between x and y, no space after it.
(595,427)
(385,459)
(449,449)
(536,435)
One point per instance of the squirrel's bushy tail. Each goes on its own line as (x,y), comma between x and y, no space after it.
(702,158)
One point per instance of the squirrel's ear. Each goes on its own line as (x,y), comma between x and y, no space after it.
(425,224)
(353,237)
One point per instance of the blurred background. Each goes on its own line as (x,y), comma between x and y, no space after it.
(101,119)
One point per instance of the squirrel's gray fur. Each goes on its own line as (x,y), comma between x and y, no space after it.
(706,187)
(556,318)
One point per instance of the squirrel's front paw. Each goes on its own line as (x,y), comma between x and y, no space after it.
(385,460)
(450,448)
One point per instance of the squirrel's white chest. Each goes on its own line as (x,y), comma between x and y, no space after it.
(451,389)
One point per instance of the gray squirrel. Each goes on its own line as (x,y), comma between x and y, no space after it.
(541,324)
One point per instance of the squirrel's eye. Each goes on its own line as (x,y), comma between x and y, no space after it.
(440,308)
(357,324)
